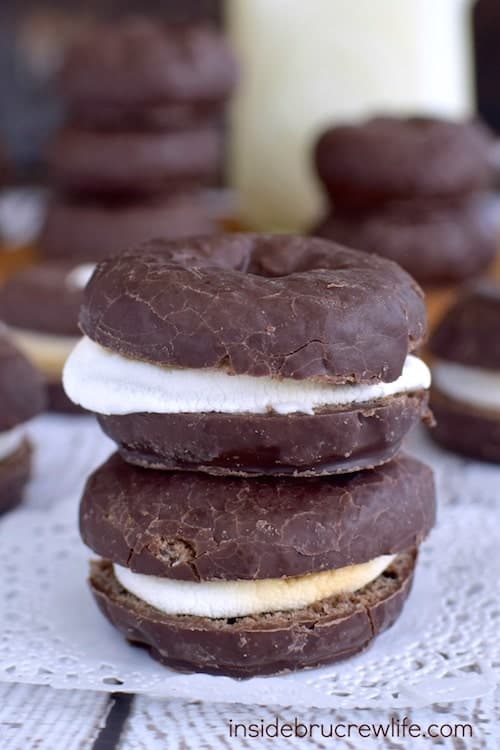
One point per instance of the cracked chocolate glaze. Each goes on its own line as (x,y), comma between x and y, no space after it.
(468,333)
(328,631)
(391,158)
(334,441)
(137,62)
(22,394)
(40,299)
(258,305)
(14,474)
(194,527)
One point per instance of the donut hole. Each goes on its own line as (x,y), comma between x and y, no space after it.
(270,259)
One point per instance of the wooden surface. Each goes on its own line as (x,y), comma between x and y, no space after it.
(13,260)
(39,718)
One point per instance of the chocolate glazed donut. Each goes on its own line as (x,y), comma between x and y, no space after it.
(195,528)
(263,306)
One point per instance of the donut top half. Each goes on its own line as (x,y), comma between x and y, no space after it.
(193,527)
(389,158)
(45,298)
(139,62)
(139,75)
(284,307)
(22,393)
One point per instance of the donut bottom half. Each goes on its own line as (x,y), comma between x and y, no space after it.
(336,441)
(14,474)
(466,429)
(328,631)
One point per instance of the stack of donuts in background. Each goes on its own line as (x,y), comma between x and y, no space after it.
(142,141)
(416,190)
(258,516)
(465,395)
(143,137)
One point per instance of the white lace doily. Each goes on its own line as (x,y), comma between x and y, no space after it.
(445,647)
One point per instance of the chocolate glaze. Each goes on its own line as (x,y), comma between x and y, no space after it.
(92,231)
(466,429)
(326,632)
(468,333)
(159,117)
(258,305)
(191,526)
(390,158)
(39,299)
(332,441)
(139,62)
(22,394)
(134,163)
(14,474)
(436,241)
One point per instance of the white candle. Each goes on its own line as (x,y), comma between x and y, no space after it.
(308,63)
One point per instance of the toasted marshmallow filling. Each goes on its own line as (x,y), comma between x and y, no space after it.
(10,442)
(47,352)
(105,382)
(470,385)
(221,599)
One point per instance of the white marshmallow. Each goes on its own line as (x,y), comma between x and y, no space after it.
(239,598)
(80,276)
(107,383)
(10,441)
(470,385)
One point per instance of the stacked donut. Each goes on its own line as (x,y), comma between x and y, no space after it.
(22,397)
(414,190)
(466,366)
(143,136)
(40,305)
(258,516)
